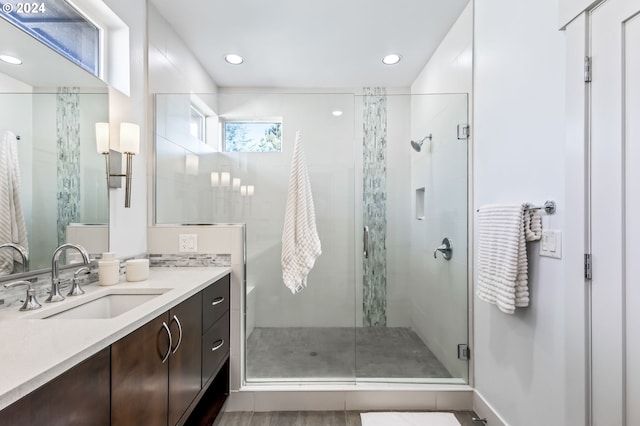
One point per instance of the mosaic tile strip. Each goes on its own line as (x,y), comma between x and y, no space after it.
(374,144)
(68,158)
(189,259)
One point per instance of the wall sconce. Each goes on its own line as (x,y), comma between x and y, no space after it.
(225,179)
(191,165)
(236,184)
(215,179)
(129,146)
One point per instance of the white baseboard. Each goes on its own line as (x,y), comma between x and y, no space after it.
(484,410)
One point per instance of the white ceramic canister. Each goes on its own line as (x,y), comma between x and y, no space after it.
(108,269)
(137,269)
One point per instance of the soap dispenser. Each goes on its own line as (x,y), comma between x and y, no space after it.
(108,269)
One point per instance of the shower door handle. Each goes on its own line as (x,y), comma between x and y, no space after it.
(365,242)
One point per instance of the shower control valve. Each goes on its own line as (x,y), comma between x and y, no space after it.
(446,248)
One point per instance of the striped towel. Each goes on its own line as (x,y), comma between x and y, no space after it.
(503,231)
(12,225)
(300,241)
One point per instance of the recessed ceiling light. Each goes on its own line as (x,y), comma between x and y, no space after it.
(233,59)
(10,59)
(391,59)
(337,113)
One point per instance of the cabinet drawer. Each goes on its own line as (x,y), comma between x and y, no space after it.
(215,347)
(215,302)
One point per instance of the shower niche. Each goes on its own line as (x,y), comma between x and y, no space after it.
(420,200)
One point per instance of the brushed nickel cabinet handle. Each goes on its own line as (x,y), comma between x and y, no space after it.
(217,301)
(218,346)
(166,328)
(175,318)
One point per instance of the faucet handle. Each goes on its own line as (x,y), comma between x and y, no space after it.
(76,290)
(30,303)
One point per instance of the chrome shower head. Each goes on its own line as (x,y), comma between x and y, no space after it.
(417,145)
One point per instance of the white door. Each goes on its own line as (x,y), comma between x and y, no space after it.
(615,208)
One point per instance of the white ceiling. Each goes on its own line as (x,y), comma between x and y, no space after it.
(312,43)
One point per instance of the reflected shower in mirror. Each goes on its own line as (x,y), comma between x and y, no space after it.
(48,112)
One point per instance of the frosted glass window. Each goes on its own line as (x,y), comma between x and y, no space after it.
(60,26)
(252,136)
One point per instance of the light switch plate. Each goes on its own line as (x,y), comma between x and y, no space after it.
(188,243)
(551,244)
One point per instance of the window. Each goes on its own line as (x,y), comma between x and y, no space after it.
(197,124)
(252,136)
(60,26)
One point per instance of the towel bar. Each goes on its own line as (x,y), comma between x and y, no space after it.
(549,207)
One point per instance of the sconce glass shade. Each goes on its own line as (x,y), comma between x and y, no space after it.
(251,190)
(243,190)
(102,138)
(215,179)
(129,138)
(192,164)
(225,179)
(236,184)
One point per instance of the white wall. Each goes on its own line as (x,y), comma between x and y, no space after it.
(439,308)
(519,156)
(127,226)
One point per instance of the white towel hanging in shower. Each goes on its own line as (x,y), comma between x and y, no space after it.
(12,225)
(300,241)
(503,231)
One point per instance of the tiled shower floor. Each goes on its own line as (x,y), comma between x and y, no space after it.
(331,353)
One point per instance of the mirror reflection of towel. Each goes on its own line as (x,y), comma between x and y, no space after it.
(12,225)
(300,241)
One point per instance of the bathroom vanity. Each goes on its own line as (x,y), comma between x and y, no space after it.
(159,362)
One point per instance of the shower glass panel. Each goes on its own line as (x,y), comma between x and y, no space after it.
(378,306)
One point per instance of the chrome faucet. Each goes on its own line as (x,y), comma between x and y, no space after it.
(23,254)
(55,295)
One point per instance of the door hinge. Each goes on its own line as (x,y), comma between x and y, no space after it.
(587,69)
(587,266)
(464,131)
(464,352)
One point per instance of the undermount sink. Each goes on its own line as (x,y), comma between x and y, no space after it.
(107,306)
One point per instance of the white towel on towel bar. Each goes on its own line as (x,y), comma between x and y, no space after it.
(503,231)
(12,224)
(300,241)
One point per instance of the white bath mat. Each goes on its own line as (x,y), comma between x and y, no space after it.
(409,419)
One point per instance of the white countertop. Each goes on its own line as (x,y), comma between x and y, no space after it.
(34,351)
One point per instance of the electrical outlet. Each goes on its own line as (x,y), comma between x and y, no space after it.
(551,244)
(188,243)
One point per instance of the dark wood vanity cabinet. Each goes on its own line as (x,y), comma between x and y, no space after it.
(139,378)
(155,371)
(146,390)
(172,370)
(185,360)
(79,397)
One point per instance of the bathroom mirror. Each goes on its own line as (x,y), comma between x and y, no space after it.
(52,105)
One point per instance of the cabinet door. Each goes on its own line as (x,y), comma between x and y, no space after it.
(139,378)
(86,387)
(185,361)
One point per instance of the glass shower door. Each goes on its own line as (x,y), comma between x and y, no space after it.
(414,311)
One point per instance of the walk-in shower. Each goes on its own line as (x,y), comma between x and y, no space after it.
(378,306)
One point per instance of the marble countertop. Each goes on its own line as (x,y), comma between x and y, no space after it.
(34,350)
